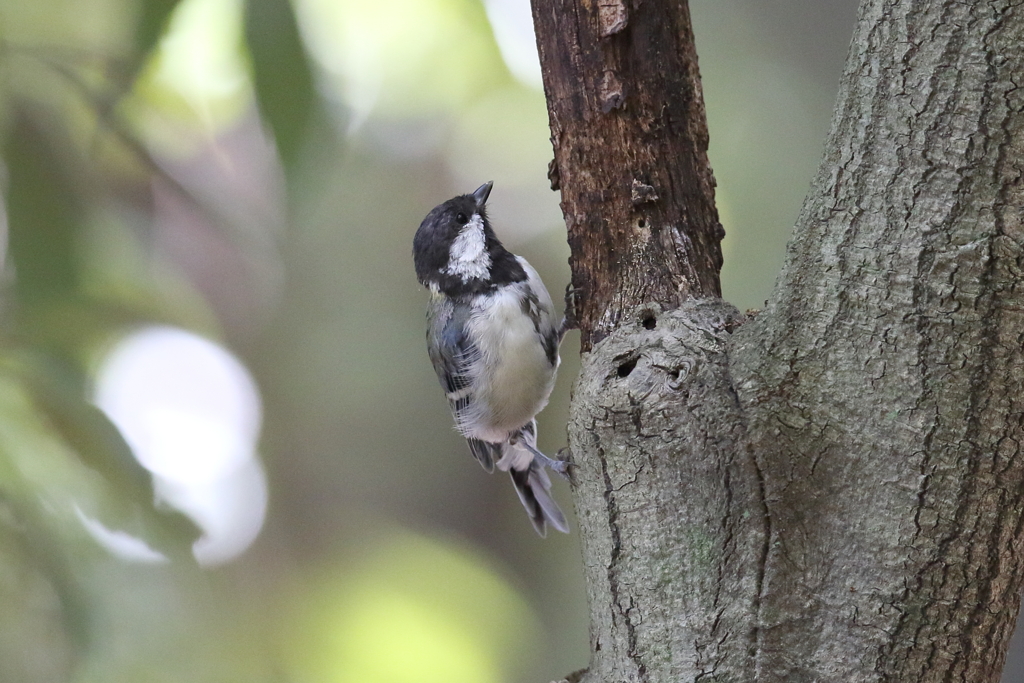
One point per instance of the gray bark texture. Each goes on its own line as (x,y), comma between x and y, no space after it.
(832,490)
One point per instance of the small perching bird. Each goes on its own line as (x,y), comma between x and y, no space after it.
(493,338)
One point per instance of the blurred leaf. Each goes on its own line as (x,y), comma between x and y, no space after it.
(281,73)
(45,619)
(39,538)
(58,393)
(152,23)
(42,212)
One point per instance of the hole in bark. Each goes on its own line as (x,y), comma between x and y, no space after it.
(641,223)
(627,367)
(647,315)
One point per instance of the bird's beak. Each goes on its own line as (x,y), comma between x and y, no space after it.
(481,194)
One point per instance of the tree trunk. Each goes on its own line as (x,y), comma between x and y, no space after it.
(834,490)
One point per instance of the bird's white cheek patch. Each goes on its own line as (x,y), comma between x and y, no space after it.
(468,257)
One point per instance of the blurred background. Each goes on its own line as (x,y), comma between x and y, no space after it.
(224,455)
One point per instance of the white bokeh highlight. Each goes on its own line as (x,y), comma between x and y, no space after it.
(191,414)
(119,543)
(512,23)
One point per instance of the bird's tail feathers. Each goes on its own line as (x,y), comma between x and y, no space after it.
(534,489)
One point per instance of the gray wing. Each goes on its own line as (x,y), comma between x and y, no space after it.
(486,453)
(452,354)
(537,304)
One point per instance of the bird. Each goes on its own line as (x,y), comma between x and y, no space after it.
(493,338)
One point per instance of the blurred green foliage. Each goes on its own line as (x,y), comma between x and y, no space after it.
(410,609)
(41,214)
(254,172)
(281,73)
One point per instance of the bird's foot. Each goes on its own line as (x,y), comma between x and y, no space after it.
(559,466)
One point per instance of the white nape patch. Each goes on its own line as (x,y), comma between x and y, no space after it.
(468,257)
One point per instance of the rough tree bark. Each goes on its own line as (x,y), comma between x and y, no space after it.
(630,136)
(833,490)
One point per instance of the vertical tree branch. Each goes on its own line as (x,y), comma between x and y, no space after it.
(661,483)
(630,147)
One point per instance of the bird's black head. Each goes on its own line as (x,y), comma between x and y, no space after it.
(456,249)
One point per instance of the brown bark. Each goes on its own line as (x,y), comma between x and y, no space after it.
(630,147)
(833,491)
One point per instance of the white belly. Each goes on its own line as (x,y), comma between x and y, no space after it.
(513,377)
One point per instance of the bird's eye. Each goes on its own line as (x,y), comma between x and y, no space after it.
(461,218)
